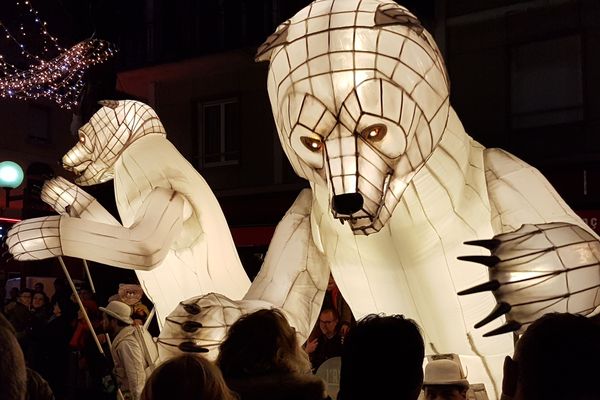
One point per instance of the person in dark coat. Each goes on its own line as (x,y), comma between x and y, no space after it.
(58,332)
(262,359)
(382,359)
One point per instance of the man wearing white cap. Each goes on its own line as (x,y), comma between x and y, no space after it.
(133,350)
(444,380)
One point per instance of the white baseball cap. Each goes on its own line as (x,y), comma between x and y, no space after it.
(118,310)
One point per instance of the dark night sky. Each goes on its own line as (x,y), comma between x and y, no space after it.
(74,20)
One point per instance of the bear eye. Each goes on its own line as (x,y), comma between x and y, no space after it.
(374,133)
(312,144)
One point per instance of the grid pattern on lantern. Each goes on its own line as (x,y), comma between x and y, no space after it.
(338,67)
(25,236)
(572,269)
(539,269)
(108,133)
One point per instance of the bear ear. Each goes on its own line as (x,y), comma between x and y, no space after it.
(278,38)
(109,103)
(393,14)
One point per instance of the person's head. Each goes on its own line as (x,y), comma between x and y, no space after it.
(38,287)
(39,300)
(328,322)
(188,376)
(444,380)
(388,350)
(556,358)
(259,343)
(13,373)
(25,297)
(116,316)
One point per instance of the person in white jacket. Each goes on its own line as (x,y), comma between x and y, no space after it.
(133,350)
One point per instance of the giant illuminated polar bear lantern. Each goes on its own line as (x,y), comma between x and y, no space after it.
(360,97)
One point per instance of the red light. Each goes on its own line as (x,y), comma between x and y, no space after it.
(10,220)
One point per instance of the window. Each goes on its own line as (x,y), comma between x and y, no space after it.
(546,82)
(219,132)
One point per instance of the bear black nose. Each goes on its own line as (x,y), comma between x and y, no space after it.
(347,203)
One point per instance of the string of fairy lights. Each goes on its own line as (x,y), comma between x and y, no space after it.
(50,71)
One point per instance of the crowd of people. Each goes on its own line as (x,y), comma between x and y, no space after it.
(57,342)
(262,358)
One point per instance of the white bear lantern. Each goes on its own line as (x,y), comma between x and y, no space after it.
(170,218)
(360,94)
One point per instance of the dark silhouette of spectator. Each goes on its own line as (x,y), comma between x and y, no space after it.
(55,346)
(444,380)
(37,387)
(61,291)
(13,297)
(13,374)
(11,386)
(262,359)
(188,376)
(21,318)
(38,287)
(555,359)
(382,358)
(329,341)
(40,312)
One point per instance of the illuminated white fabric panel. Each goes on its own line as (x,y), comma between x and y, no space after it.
(203,257)
(521,195)
(294,274)
(293,278)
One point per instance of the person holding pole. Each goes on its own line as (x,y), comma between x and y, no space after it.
(133,350)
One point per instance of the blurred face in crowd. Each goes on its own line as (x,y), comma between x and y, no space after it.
(56,310)
(38,300)
(445,393)
(25,299)
(327,324)
(38,287)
